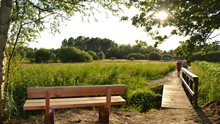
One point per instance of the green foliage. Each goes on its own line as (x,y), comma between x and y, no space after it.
(213,56)
(100,72)
(185,50)
(101,55)
(93,54)
(109,47)
(136,56)
(71,54)
(42,55)
(90,44)
(30,55)
(144,99)
(209,75)
(196,19)
(167,57)
(112,58)
(146,56)
(154,56)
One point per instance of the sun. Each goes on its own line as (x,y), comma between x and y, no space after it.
(161,15)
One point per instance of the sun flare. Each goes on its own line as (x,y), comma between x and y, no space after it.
(162,15)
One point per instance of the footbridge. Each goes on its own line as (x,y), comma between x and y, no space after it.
(182,92)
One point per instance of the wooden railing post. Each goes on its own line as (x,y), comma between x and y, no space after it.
(196,92)
(191,87)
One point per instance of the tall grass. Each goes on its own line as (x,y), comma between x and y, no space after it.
(135,75)
(209,81)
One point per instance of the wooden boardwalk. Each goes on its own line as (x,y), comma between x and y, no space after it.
(174,95)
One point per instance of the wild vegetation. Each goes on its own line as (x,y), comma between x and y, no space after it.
(136,75)
(209,75)
(211,56)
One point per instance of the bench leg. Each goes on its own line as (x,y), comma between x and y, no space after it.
(49,118)
(103,115)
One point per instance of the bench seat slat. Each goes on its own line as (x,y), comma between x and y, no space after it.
(39,104)
(71,91)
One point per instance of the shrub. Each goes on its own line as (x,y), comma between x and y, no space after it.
(136,56)
(112,58)
(167,57)
(146,56)
(42,55)
(144,100)
(93,54)
(30,55)
(212,56)
(71,54)
(101,55)
(154,56)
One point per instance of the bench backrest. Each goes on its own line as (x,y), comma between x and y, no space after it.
(73,91)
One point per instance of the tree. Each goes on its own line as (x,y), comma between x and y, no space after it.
(140,44)
(5,11)
(42,55)
(154,56)
(30,54)
(28,18)
(101,55)
(90,44)
(136,56)
(196,19)
(167,57)
(72,54)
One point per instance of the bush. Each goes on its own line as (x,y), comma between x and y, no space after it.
(144,100)
(42,55)
(71,54)
(136,56)
(212,56)
(154,56)
(30,55)
(112,58)
(146,56)
(93,54)
(101,55)
(167,57)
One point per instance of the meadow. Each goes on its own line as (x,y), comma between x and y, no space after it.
(136,75)
(209,81)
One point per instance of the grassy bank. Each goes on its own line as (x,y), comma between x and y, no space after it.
(209,81)
(136,75)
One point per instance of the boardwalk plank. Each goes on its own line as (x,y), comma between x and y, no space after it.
(174,96)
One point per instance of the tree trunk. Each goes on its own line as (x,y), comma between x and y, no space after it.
(5,12)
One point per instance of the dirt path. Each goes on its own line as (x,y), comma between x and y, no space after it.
(90,116)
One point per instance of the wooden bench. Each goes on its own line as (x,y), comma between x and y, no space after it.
(58,97)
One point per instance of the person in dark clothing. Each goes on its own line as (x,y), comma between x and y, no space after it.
(178,67)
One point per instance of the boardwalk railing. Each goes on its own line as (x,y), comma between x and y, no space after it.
(190,86)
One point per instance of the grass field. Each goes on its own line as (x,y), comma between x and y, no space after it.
(209,81)
(136,75)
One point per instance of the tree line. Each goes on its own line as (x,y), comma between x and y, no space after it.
(85,49)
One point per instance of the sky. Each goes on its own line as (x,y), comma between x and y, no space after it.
(107,26)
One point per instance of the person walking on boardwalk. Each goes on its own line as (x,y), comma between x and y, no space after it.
(178,67)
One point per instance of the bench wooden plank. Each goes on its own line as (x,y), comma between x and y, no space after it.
(39,104)
(71,91)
